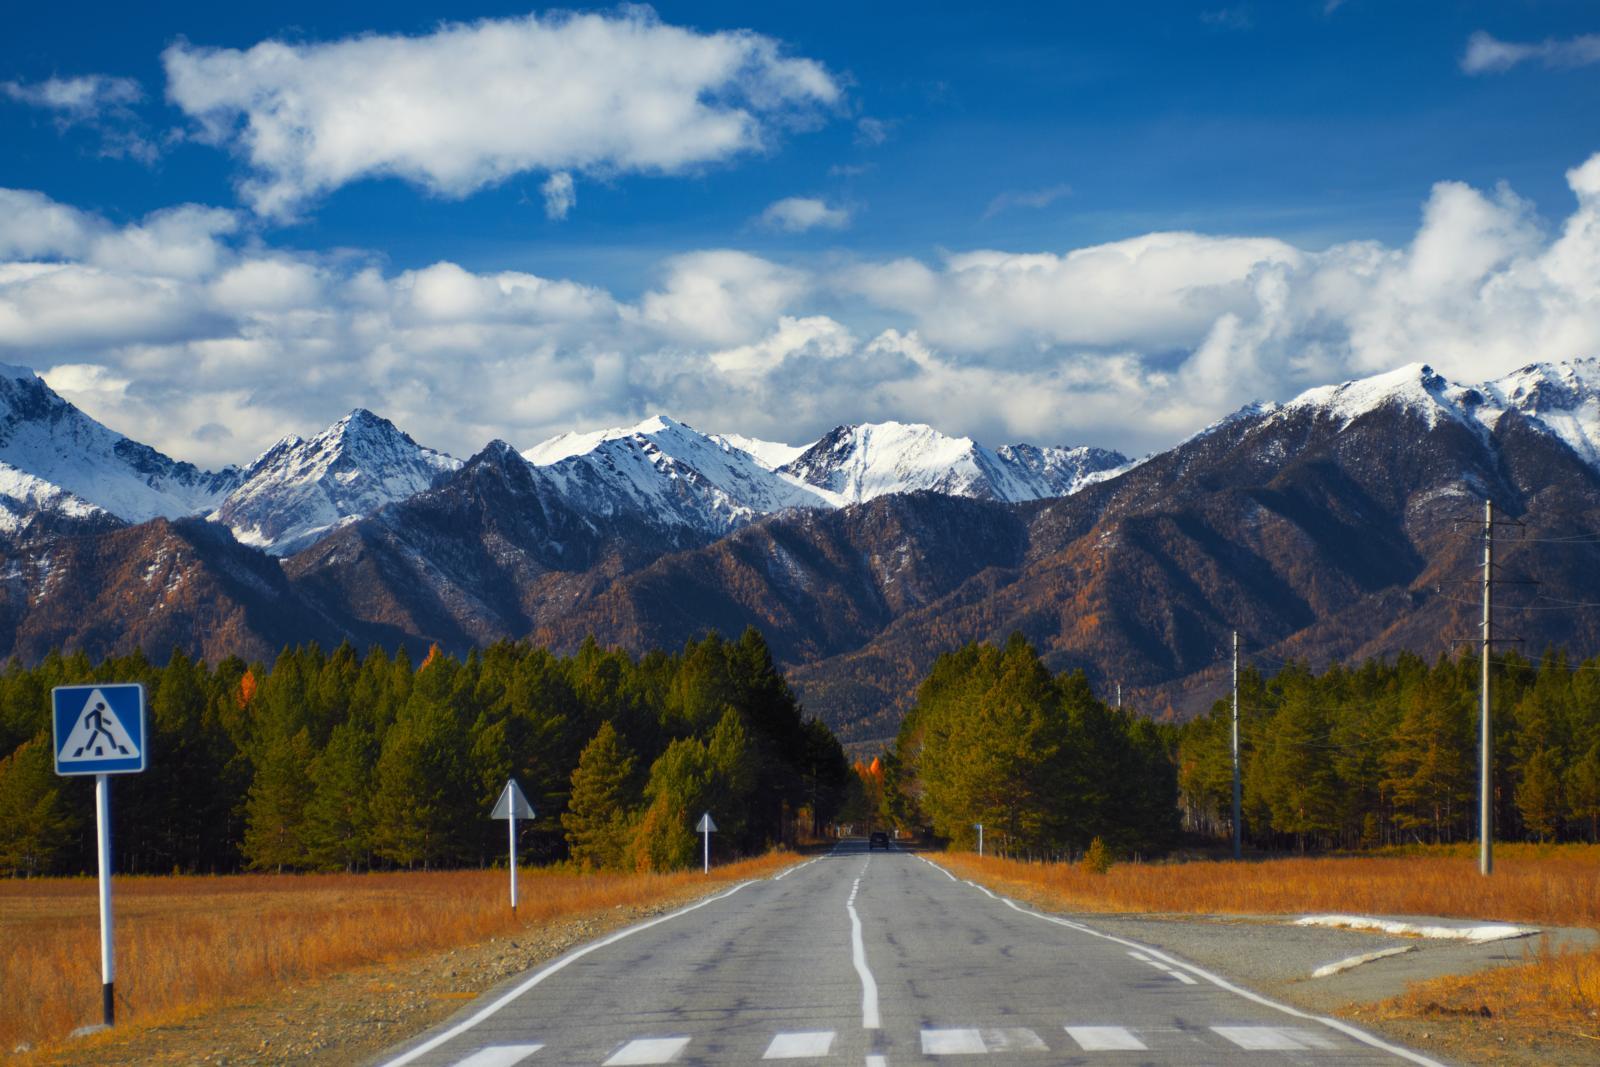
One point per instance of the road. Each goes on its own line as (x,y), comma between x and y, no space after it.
(877,958)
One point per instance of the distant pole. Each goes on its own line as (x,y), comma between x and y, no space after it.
(980,837)
(1238,828)
(1119,696)
(705,866)
(1486,738)
(108,956)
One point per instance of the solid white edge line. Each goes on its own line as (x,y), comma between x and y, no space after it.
(571,957)
(780,876)
(1222,983)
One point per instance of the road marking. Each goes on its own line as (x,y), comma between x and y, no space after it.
(811,1044)
(858,956)
(570,958)
(647,1050)
(1273,1038)
(877,1061)
(1013,1039)
(1345,1028)
(952,1042)
(781,876)
(1106,1039)
(938,868)
(499,1056)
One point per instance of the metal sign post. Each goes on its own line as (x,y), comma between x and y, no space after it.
(512,806)
(979,826)
(706,829)
(100,730)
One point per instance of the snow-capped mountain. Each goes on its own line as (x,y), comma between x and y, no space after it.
(853,464)
(55,459)
(669,470)
(298,490)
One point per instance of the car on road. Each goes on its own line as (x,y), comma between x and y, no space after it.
(878,839)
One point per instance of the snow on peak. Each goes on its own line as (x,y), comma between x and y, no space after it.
(1563,398)
(857,463)
(299,489)
(1416,387)
(55,444)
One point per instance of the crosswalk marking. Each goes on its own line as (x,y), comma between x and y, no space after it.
(952,1042)
(810,1044)
(499,1056)
(647,1050)
(1273,1038)
(1105,1039)
(1013,1039)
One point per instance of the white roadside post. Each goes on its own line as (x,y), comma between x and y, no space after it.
(979,826)
(100,730)
(706,829)
(512,806)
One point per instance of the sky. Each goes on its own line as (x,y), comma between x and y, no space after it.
(1104,224)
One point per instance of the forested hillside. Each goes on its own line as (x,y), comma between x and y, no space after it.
(335,761)
(1387,753)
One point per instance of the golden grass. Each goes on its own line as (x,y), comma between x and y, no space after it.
(187,943)
(1557,991)
(1557,886)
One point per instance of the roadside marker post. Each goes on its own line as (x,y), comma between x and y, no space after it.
(706,829)
(512,806)
(979,827)
(100,730)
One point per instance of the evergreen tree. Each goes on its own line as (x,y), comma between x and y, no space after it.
(599,819)
(274,836)
(36,823)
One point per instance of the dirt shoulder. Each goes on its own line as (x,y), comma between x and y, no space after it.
(350,1017)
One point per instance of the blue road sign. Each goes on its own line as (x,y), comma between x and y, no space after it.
(99,729)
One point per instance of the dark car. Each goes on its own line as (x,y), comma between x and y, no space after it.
(879,839)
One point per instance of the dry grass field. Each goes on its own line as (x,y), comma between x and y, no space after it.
(1556,885)
(188,943)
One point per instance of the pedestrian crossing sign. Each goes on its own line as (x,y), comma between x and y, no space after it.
(99,729)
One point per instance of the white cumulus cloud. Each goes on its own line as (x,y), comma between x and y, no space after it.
(472,104)
(1487,54)
(796,214)
(559,195)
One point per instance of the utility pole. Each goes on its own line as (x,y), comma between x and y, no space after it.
(1486,738)
(1238,830)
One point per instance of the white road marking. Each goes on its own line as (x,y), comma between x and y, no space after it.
(1013,1039)
(952,1043)
(647,1050)
(499,1056)
(1141,957)
(811,1044)
(858,956)
(1273,1038)
(1222,983)
(1106,1039)
(877,1061)
(784,874)
(938,868)
(570,958)
(1185,979)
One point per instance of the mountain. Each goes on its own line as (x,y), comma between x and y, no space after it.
(56,461)
(667,472)
(852,464)
(298,490)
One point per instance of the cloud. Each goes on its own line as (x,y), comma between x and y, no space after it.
(559,195)
(472,104)
(1035,198)
(182,330)
(98,101)
(1487,54)
(871,132)
(796,214)
(1230,18)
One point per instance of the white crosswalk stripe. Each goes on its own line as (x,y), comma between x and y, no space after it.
(1105,1039)
(1274,1038)
(647,1050)
(1013,1039)
(499,1056)
(952,1042)
(810,1044)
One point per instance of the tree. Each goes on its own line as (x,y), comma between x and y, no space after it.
(35,822)
(275,812)
(679,784)
(1539,795)
(599,817)
(338,815)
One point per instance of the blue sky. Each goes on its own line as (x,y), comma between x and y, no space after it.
(1298,145)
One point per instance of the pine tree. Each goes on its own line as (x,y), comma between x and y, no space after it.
(1539,795)
(338,816)
(274,836)
(36,823)
(599,817)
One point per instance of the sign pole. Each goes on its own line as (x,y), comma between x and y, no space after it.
(108,953)
(706,865)
(980,837)
(512,823)
(706,827)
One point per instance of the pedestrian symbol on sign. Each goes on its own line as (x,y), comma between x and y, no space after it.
(98,734)
(99,729)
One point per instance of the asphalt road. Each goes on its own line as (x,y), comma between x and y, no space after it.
(877,958)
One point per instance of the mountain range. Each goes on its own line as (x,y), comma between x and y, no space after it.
(1337,525)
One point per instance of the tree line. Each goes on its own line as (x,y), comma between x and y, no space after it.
(1387,753)
(342,761)
(995,738)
